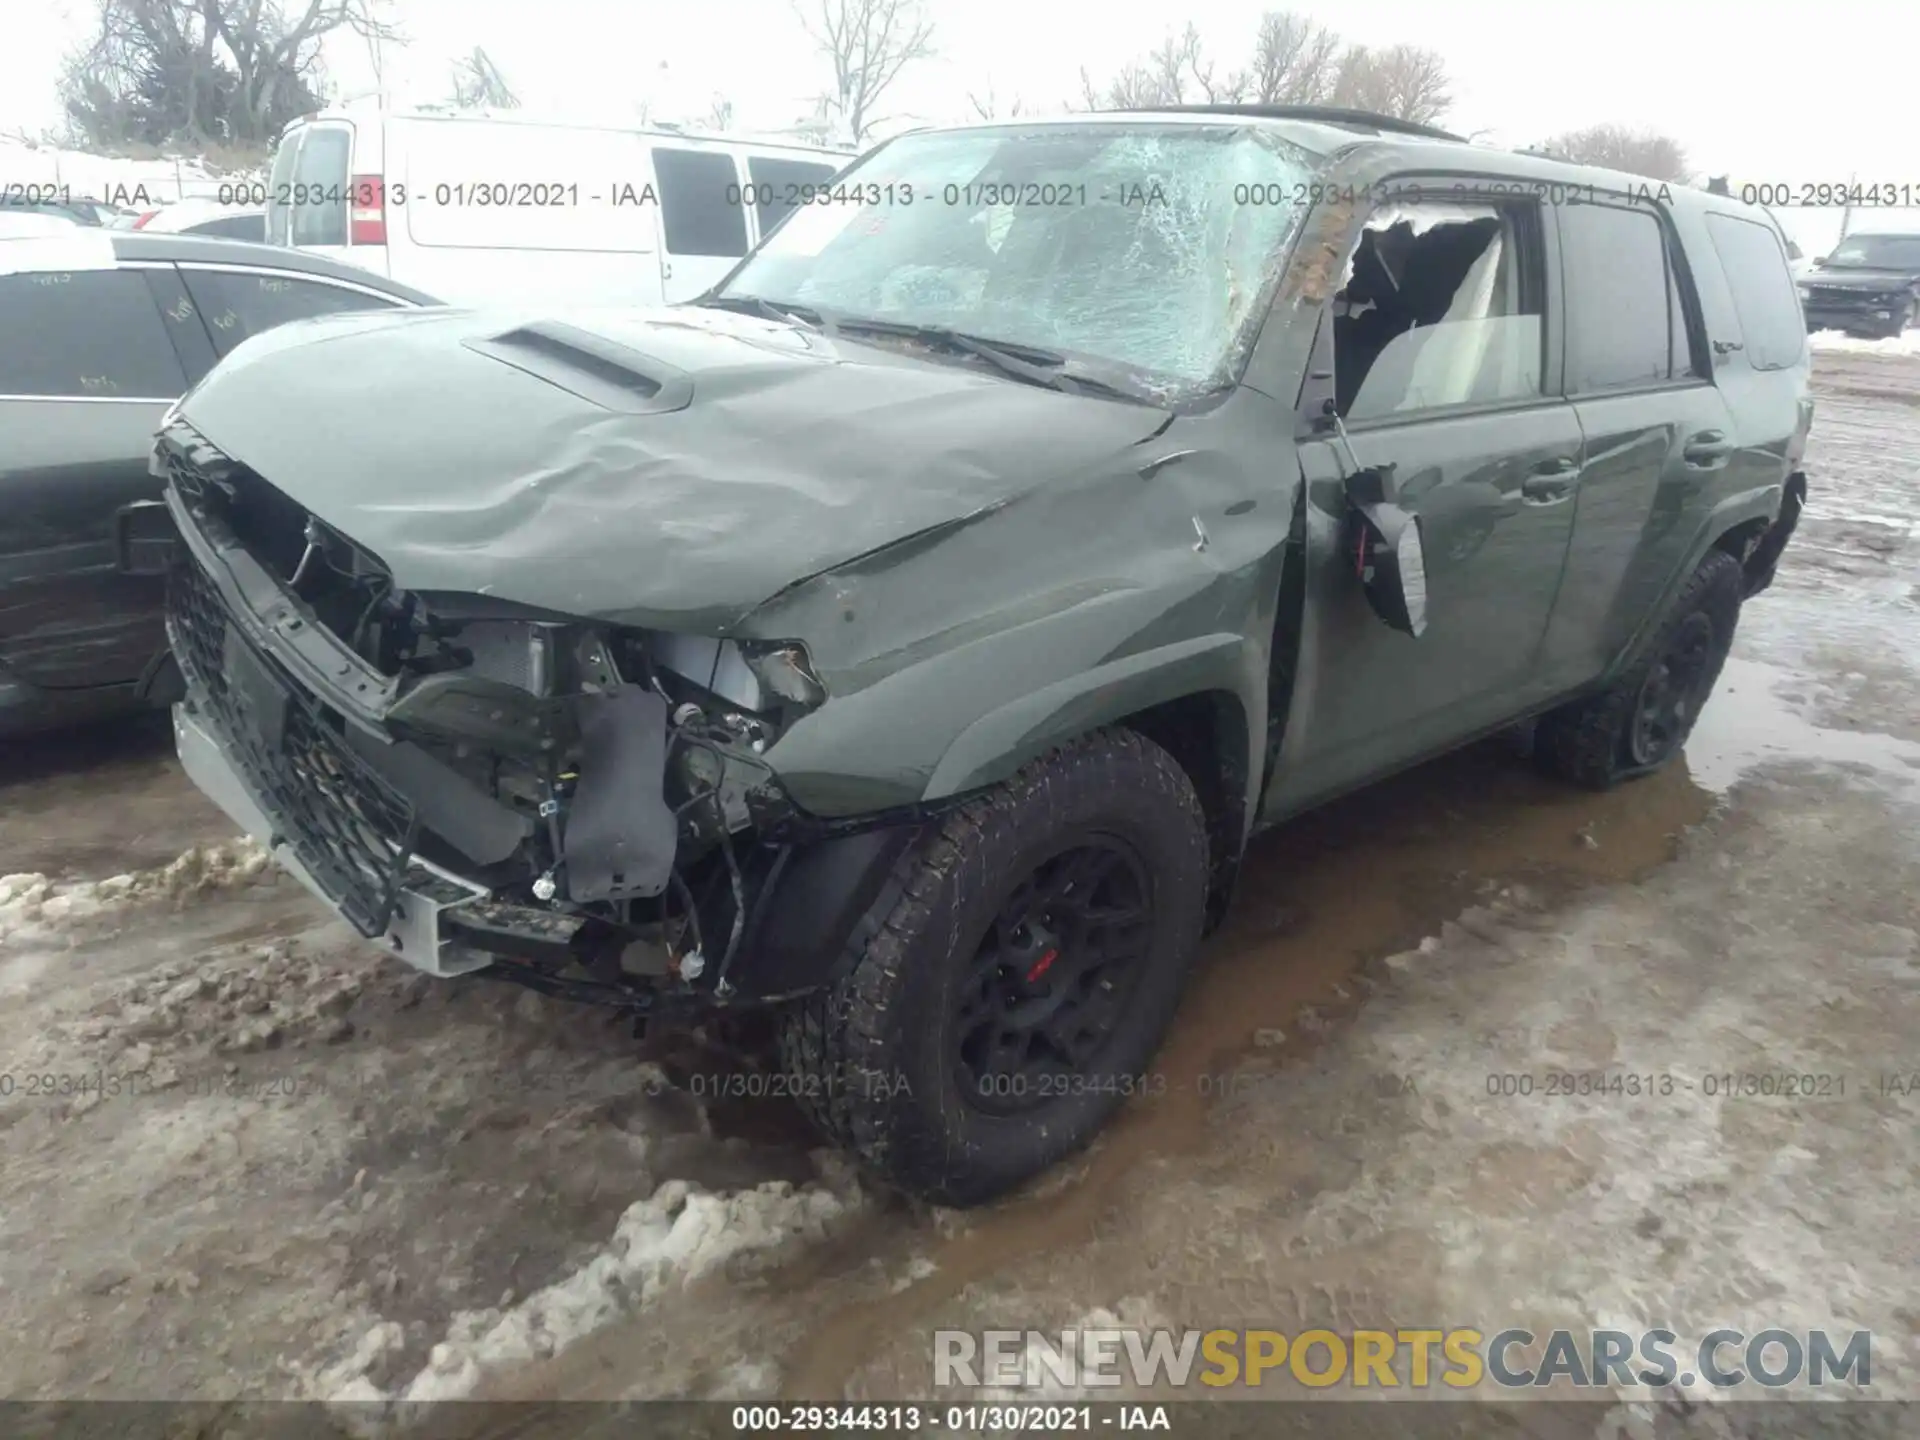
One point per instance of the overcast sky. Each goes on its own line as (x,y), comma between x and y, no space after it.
(1785,94)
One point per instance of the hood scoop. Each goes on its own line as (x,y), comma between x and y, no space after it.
(600,371)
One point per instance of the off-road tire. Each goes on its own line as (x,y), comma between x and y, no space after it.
(870,1056)
(1589,741)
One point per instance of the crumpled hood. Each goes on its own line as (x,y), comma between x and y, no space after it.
(793,454)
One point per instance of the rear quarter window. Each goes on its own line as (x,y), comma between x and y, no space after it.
(779,185)
(237,304)
(96,335)
(700,209)
(1771,324)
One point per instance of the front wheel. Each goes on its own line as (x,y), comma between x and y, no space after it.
(1011,996)
(1641,721)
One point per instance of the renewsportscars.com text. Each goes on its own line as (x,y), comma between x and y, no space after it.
(1460,1358)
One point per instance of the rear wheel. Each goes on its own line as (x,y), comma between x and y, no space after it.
(1008,1000)
(1642,720)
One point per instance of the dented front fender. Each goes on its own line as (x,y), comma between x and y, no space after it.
(956,656)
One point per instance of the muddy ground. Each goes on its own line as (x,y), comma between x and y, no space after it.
(245,1157)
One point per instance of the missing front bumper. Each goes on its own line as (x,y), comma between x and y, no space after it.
(416,931)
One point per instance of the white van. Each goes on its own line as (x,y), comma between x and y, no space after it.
(480,207)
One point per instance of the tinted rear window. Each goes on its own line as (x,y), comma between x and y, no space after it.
(1627,324)
(320,181)
(700,203)
(96,334)
(779,185)
(1771,324)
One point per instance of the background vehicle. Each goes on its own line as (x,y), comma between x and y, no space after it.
(74,212)
(498,206)
(1869,285)
(80,209)
(911,639)
(100,330)
(21,221)
(197,216)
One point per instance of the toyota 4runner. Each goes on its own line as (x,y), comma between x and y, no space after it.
(908,635)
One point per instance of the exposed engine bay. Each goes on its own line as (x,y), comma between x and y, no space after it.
(584,807)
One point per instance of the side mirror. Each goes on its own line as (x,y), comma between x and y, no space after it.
(1389,555)
(1818,261)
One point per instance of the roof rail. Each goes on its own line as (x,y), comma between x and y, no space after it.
(1319,114)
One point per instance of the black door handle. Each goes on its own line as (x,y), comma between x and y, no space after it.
(1706,447)
(1550,481)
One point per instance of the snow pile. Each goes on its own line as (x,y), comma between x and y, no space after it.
(106,177)
(33,903)
(662,1243)
(1906,344)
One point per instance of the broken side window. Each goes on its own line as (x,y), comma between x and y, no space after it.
(1441,307)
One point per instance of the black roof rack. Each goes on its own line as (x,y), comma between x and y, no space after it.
(1318,114)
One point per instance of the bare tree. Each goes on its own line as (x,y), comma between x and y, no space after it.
(719,114)
(868,43)
(1293,60)
(1616,147)
(478,84)
(987,106)
(1407,82)
(271,52)
(205,70)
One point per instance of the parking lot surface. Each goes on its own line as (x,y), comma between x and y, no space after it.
(248,1157)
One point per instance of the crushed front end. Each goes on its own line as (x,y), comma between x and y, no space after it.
(478,785)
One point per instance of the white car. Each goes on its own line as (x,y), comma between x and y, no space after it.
(18,224)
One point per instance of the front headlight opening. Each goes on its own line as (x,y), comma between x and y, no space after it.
(787,671)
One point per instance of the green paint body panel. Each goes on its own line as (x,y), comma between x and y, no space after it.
(981,569)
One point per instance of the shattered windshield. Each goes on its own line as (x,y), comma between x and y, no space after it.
(1877,252)
(1141,247)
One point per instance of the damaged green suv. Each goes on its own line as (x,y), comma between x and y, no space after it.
(908,635)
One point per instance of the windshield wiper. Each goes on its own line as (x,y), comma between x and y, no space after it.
(767,309)
(1032,363)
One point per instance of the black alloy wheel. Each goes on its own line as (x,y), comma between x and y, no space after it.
(1053,976)
(1673,691)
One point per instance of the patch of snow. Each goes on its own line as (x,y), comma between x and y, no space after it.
(1905,344)
(134,183)
(31,903)
(661,1244)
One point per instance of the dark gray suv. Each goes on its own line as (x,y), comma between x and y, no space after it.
(1868,286)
